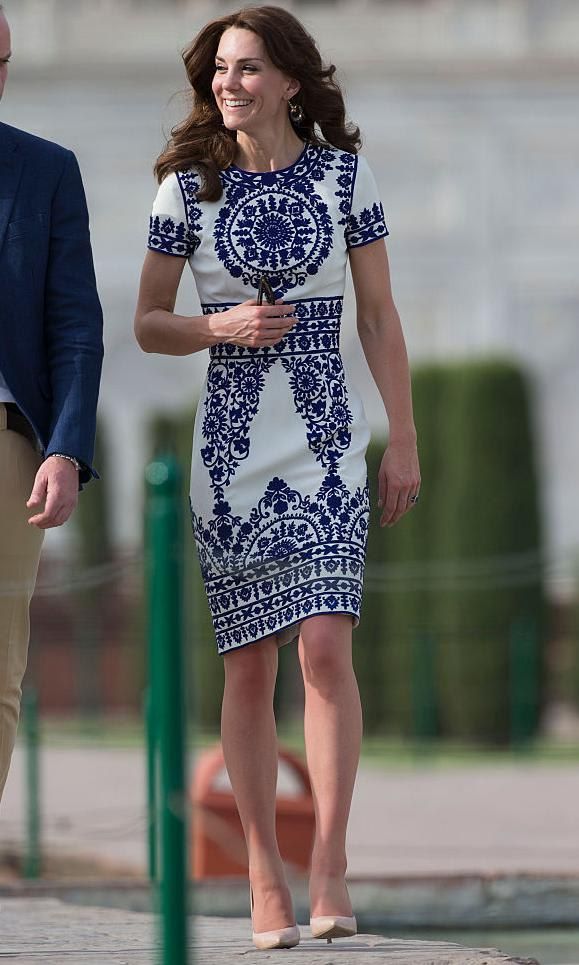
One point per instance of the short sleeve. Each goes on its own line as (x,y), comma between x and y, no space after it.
(169,229)
(366,219)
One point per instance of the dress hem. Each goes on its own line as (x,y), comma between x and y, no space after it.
(293,623)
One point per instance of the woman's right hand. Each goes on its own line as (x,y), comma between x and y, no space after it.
(253,325)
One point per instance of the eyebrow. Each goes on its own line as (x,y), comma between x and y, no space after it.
(242,60)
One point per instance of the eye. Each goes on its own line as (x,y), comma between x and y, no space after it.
(251,67)
(219,68)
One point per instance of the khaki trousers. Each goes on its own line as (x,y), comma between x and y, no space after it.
(20,546)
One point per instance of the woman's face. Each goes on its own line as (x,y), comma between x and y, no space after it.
(250,92)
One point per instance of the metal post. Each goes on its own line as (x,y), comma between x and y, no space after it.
(32,859)
(165,566)
(152,803)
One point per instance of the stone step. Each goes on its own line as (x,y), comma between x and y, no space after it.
(53,932)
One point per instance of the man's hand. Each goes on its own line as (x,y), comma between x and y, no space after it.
(56,485)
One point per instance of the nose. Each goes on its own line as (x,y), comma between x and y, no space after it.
(230,80)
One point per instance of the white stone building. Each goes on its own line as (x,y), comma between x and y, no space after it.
(469,111)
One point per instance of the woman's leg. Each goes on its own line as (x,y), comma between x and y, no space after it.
(333,734)
(250,748)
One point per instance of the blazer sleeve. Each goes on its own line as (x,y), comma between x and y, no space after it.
(72,323)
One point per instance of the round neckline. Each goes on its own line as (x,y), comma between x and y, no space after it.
(262,174)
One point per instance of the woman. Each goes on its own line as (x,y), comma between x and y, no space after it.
(252,193)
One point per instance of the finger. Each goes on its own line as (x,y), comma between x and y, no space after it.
(390,505)
(382,486)
(59,516)
(52,507)
(280,309)
(402,505)
(38,494)
(413,498)
(276,324)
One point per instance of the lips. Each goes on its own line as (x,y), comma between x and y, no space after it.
(236,102)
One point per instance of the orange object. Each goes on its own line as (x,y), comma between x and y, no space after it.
(218,843)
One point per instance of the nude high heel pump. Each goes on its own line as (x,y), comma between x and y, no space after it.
(278,938)
(333,926)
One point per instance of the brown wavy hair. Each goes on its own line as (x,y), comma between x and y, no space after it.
(201,140)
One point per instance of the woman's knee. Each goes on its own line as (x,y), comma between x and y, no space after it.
(252,670)
(326,647)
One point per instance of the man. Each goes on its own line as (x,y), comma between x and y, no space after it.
(50,363)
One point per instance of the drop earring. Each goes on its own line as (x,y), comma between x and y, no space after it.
(296,113)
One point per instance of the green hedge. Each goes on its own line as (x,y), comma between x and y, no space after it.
(396,623)
(459,655)
(492,511)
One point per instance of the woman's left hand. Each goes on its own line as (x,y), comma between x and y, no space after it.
(398,480)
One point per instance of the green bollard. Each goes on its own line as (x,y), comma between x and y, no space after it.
(165,575)
(32,859)
(151,783)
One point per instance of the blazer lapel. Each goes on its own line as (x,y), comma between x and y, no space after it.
(10,173)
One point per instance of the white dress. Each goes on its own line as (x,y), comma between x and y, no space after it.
(279,492)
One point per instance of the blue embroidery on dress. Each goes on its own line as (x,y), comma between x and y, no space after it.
(310,356)
(275,222)
(282,234)
(320,397)
(368,225)
(171,237)
(175,237)
(348,165)
(294,555)
(189,184)
(317,330)
(232,400)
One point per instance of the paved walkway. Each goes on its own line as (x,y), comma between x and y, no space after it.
(49,932)
(482,819)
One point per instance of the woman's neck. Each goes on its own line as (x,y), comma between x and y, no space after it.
(269,152)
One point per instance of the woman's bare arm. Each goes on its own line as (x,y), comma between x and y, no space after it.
(159,329)
(383,343)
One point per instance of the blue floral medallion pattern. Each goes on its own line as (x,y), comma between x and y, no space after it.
(293,556)
(279,490)
(282,233)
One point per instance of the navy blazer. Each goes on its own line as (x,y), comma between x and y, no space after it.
(50,316)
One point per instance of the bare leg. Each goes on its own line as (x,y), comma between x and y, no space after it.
(249,741)
(333,734)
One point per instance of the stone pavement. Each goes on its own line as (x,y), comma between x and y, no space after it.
(428,820)
(53,933)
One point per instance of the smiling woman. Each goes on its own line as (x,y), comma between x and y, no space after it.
(263,183)
(270,50)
